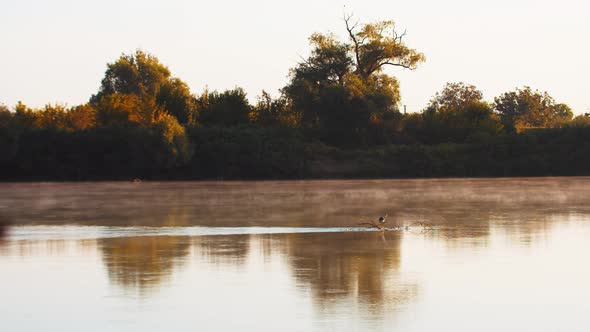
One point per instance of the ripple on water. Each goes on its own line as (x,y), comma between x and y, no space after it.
(72,232)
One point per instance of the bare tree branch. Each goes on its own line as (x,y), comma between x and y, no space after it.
(395,64)
(398,39)
(353,38)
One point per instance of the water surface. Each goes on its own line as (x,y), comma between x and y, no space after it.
(503,255)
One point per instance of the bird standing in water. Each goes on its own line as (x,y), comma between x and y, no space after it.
(372,224)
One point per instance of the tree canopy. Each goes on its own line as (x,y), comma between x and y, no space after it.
(527,108)
(141,76)
(378,45)
(455,95)
(144,121)
(227,108)
(456,113)
(341,85)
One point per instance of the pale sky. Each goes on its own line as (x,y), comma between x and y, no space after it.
(57,50)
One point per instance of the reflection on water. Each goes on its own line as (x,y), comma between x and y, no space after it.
(4,227)
(142,262)
(507,247)
(346,268)
(338,265)
(224,251)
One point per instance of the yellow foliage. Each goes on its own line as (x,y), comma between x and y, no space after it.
(123,109)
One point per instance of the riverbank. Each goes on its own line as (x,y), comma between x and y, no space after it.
(258,153)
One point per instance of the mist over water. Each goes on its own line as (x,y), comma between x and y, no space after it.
(504,254)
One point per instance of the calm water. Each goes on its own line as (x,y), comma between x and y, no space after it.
(504,255)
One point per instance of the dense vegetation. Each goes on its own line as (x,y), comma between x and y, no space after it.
(338,116)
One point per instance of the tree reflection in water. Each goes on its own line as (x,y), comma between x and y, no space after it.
(229,252)
(4,227)
(143,263)
(333,268)
(341,266)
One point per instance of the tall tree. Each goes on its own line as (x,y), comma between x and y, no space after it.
(582,120)
(378,45)
(458,113)
(81,117)
(269,112)
(138,74)
(5,116)
(25,116)
(121,110)
(341,85)
(142,75)
(228,108)
(525,108)
(455,95)
(175,97)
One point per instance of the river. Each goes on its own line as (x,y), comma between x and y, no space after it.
(497,255)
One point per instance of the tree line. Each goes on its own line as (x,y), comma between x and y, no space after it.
(144,122)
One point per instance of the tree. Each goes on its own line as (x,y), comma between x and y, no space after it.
(228,108)
(458,113)
(26,117)
(455,95)
(173,140)
(138,74)
(53,116)
(330,61)
(580,121)
(341,85)
(81,117)
(176,98)
(8,136)
(142,75)
(5,116)
(269,112)
(378,45)
(120,110)
(525,108)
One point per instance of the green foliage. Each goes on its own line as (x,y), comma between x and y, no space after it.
(246,152)
(133,74)
(377,45)
(228,108)
(121,110)
(142,77)
(341,86)
(475,118)
(455,114)
(269,112)
(337,117)
(580,121)
(175,97)
(25,117)
(52,116)
(174,142)
(455,96)
(328,63)
(5,116)
(552,152)
(8,134)
(81,117)
(525,108)
(97,153)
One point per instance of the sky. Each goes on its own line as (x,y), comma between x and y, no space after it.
(56,51)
